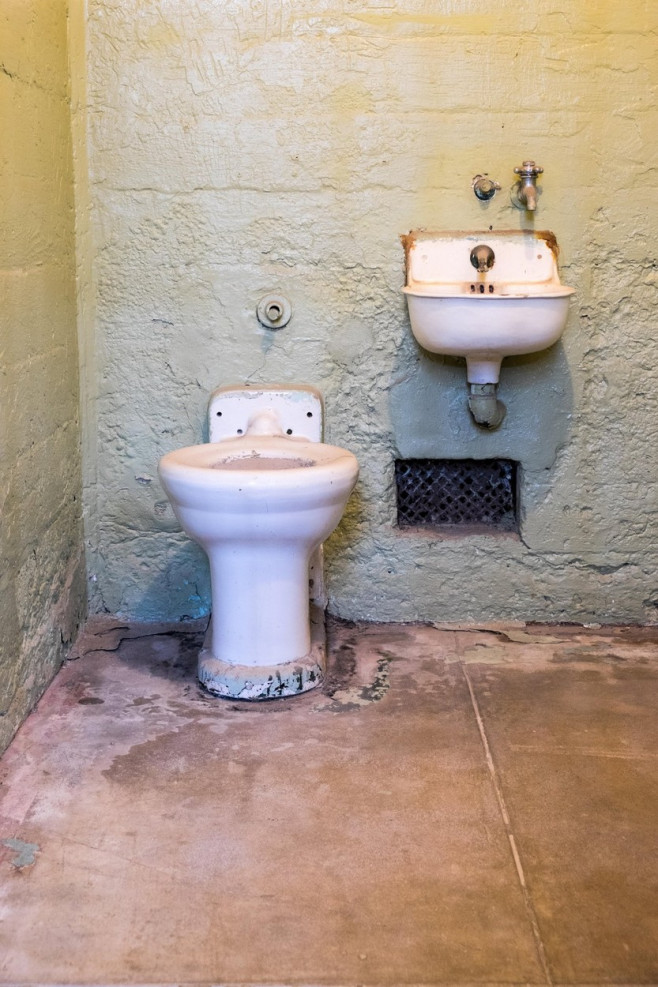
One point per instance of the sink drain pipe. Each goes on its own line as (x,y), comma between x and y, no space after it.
(487,411)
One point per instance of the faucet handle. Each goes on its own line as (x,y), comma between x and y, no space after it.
(529,170)
(484,187)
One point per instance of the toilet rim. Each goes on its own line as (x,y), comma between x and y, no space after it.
(316,459)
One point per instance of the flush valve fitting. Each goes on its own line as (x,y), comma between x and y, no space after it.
(274,311)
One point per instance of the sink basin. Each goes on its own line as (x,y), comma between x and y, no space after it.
(516,306)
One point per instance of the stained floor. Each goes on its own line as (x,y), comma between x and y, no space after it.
(458,806)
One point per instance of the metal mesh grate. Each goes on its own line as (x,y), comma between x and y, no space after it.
(440,492)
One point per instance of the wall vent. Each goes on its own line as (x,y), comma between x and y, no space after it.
(441,493)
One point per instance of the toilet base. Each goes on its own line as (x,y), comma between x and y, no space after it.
(257,682)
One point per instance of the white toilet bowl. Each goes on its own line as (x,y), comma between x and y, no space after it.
(260,504)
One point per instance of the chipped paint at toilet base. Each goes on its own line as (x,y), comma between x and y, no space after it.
(235,681)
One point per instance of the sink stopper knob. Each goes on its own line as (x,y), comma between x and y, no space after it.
(482,258)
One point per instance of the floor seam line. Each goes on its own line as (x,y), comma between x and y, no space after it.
(502,806)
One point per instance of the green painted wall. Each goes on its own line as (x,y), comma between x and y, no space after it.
(255,146)
(42,585)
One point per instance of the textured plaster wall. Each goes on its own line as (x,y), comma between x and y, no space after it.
(42,586)
(255,146)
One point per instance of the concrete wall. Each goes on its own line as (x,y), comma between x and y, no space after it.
(41,575)
(255,146)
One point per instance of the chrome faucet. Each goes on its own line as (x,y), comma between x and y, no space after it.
(524,193)
(482,258)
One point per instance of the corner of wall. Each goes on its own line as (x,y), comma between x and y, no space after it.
(85,273)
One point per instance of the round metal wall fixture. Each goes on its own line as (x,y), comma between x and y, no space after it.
(484,187)
(274,311)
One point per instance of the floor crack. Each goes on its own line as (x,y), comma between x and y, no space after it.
(502,805)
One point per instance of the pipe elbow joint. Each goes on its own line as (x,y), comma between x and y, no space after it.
(487,411)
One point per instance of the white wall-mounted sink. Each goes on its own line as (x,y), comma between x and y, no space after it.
(516,306)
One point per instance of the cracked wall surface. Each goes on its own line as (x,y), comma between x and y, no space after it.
(42,585)
(249,147)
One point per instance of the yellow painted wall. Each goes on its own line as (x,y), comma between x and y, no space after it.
(260,145)
(41,578)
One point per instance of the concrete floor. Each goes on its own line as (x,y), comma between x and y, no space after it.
(458,806)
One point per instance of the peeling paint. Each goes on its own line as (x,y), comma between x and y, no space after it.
(357,695)
(26,853)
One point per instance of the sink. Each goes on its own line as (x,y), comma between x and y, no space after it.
(518,305)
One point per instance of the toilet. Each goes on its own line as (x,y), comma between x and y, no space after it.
(260,498)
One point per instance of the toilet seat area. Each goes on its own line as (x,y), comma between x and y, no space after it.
(249,466)
(207,455)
